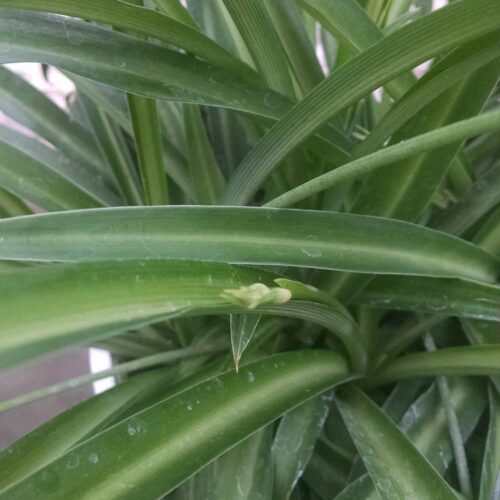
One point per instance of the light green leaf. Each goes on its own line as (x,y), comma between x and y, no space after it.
(468,360)
(426,426)
(245,472)
(294,443)
(157,447)
(245,235)
(396,467)
(243,327)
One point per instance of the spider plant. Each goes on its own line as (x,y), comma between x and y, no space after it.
(287,238)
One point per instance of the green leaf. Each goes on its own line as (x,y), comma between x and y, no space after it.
(52,439)
(142,22)
(245,235)
(175,10)
(243,327)
(149,148)
(113,147)
(206,176)
(476,202)
(127,368)
(288,23)
(456,437)
(11,205)
(156,446)
(426,426)
(396,467)
(263,43)
(435,139)
(133,65)
(469,360)
(31,108)
(84,302)
(480,333)
(33,181)
(113,110)
(409,186)
(467,299)
(245,472)
(490,477)
(294,443)
(459,64)
(352,27)
(394,54)
(96,184)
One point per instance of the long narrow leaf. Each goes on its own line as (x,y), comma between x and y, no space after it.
(385,157)
(460,298)
(144,22)
(245,235)
(470,360)
(396,467)
(394,54)
(85,301)
(156,446)
(148,141)
(33,181)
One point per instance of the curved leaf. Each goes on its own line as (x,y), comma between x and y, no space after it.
(85,301)
(245,235)
(55,437)
(426,426)
(95,183)
(294,443)
(34,110)
(166,443)
(33,181)
(245,471)
(425,142)
(129,64)
(396,467)
(448,297)
(469,360)
(141,21)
